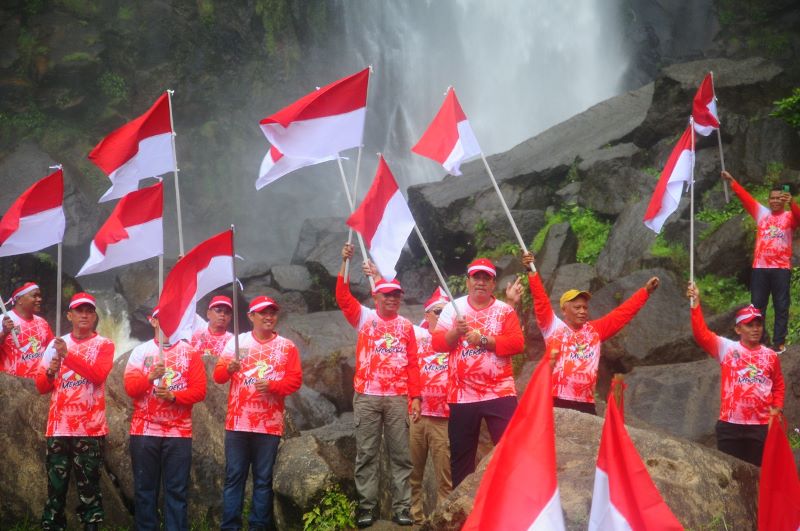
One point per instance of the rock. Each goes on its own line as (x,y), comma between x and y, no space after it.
(418,283)
(627,243)
(496,229)
(721,252)
(291,277)
(560,248)
(767,141)
(309,409)
(610,185)
(138,283)
(569,276)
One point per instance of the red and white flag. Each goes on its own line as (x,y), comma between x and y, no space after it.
(779,486)
(449,139)
(384,220)
(322,123)
(134,231)
(676,174)
(704,107)
(625,496)
(203,269)
(275,165)
(36,219)
(519,490)
(137,150)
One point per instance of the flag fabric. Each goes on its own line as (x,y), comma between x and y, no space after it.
(139,149)
(203,269)
(322,123)
(134,231)
(275,165)
(625,496)
(449,139)
(676,174)
(778,486)
(704,107)
(36,219)
(384,220)
(519,490)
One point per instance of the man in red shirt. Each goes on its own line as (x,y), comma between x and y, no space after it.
(751,387)
(772,258)
(74,369)
(480,340)
(574,344)
(210,341)
(265,371)
(386,378)
(33,333)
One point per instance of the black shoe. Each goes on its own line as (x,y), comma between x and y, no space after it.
(402,518)
(364,518)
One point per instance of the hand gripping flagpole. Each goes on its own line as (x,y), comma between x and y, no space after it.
(177,186)
(14,329)
(352,209)
(719,142)
(235,295)
(691,217)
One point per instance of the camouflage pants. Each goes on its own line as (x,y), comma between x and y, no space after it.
(84,456)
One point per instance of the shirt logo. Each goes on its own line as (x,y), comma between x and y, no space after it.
(263,368)
(580,351)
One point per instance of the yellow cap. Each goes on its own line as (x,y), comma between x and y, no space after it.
(572,294)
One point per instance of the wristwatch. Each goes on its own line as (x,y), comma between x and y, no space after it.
(484,341)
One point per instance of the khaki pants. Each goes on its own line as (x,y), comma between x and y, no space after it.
(376,416)
(429,434)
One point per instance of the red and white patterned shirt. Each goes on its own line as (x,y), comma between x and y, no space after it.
(751,380)
(185,376)
(34,335)
(475,373)
(77,402)
(773,232)
(386,351)
(275,360)
(208,343)
(578,351)
(432,376)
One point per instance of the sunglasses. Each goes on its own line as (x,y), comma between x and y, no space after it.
(437,311)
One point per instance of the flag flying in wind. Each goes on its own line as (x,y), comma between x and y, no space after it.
(322,123)
(449,139)
(134,231)
(275,165)
(384,220)
(203,269)
(704,107)
(779,486)
(676,174)
(139,149)
(519,490)
(36,219)
(624,496)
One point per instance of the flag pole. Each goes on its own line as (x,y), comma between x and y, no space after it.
(691,217)
(352,209)
(505,207)
(14,329)
(58,290)
(719,142)
(235,295)
(160,289)
(175,172)
(436,269)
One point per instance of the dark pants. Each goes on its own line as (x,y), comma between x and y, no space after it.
(244,450)
(464,429)
(583,407)
(775,282)
(154,458)
(84,456)
(745,441)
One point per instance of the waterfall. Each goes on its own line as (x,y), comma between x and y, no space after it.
(114,322)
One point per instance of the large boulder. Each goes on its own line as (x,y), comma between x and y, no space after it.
(627,243)
(560,248)
(726,251)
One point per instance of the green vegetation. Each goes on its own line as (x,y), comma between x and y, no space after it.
(457,285)
(788,109)
(676,252)
(113,87)
(717,523)
(591,231)
(77,57)
(718,294)
(793,333)
(335,511)
(652,171)
(125,13)
(206,10)
(794,438)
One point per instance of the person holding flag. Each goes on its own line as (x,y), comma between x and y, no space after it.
(751,387)
(164,381)
(73,370)
(772,257)
(21,355)
(210,340)
(386,379)
(575,342)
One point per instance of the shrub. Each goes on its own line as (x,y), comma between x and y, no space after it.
(335,511)
(788,109)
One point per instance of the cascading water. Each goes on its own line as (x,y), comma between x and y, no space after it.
(114,323)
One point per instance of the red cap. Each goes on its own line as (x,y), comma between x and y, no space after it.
(220,300)
(747,314)
(438,297)
(261,302)
(23,289)
(481,264)
(387,286)
(81,298)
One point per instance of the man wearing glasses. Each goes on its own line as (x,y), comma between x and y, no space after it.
(210,341)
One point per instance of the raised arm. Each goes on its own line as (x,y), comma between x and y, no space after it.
(708,340)
(750,205)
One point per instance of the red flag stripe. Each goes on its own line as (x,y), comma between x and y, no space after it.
(442,133)
(703,98)
(369,214)
(45,194)
(135,208)
(684,143)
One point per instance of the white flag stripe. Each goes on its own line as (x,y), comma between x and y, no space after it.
(272,170)
(318,137)
(144,241)
(153,159)
(466,146)
(391,235)
(551,518)
(706,130)
(681,175)
(36,232)
(604,516)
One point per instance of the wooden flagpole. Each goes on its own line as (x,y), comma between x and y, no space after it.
(235,295)
(352,209)
(719,143)
(175,172)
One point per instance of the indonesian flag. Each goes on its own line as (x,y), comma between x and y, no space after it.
(625,497)
(384,220)
(519,488)
(704,107)
(137,150)
(449,139)
(322,123)
(134,231)
(676,174)
(275,165)
(203,269)
(36,219)
(779,486)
